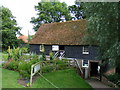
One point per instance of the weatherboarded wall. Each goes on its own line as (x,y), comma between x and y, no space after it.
(35,48)
(76,52)
(71,51)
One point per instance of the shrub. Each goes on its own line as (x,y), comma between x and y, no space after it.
(23,65)
(43,53)
(62,61)
(24,69)
(25,57)
(47,69)
(11,65)
(34,56)
(49,66)
(4,57)
(14,53)
(51,55)
(115,78)
(24,50)
(62,66)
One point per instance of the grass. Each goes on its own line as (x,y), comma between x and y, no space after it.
(9,79)
(62,79)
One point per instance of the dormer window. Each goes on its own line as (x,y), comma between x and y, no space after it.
(85,50)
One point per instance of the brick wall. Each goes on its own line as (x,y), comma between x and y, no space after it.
(110,71)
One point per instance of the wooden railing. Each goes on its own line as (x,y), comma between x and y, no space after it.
(78,65)
(60,54)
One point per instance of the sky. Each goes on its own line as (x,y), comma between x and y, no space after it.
(23,10)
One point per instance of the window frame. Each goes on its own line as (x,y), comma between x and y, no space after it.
(84,51)
(85,65)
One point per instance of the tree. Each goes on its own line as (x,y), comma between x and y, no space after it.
(103,30)
(77,10)
(49,12)
(8,28)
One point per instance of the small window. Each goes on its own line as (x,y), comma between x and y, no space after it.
(55,47)
(85,50)
(85,63)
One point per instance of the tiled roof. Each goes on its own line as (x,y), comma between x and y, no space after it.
(62,33)
(23,38)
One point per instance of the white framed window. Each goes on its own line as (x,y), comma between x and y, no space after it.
(40,48)
(85,50)
(85,63)
(55,47)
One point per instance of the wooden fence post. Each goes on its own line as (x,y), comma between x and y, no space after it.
(31,75)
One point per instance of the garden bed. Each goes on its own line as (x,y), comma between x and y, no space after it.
(25,82)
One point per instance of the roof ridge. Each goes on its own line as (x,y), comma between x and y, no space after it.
(63,22)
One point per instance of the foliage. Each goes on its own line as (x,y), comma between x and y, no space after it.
(14,53)
(102,31)
(24,50)
(11,65)
(22,65)
(115,78)
(49,12)
(8,28)
(53,65)
(47,69)
(24,69)
(4,56)
(43,53)
(77,11)
(51,55)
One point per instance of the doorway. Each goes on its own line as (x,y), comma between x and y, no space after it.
(93,68)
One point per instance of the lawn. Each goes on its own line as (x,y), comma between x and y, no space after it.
(62,79)
(9,79)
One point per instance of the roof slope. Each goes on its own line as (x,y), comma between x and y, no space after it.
(64,33)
